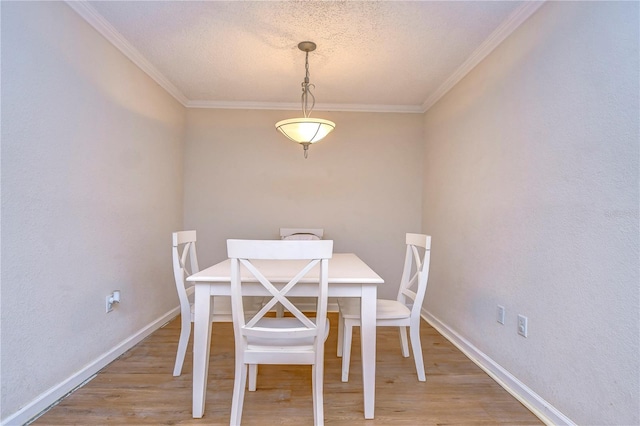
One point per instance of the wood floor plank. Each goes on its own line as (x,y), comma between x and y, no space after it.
(139,389)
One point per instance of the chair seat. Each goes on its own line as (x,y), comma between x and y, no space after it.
(286,342)
(391,309)
(385,309)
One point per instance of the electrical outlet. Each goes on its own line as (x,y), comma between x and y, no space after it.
(500,317)
(112,299)
(109,303)
(523,325)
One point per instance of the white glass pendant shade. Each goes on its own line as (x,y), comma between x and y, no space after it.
(305,130)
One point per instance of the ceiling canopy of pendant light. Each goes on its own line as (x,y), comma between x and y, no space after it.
(306,130)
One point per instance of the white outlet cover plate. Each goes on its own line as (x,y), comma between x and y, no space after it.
(523,325)
(500,314)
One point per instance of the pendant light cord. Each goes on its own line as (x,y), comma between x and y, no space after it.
(306,90)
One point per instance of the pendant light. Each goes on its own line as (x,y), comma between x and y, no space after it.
(306,130)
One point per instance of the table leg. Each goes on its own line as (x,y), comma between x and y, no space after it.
(368,348)
(201,345)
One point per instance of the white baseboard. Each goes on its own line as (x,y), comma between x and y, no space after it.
(534,402)
(50,396)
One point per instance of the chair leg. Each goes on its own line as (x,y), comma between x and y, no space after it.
(414,332)
(185,332)
(279,310)
(346,349)
(238,392)
(403,341)
(317,373)
(340,333)
(253,377)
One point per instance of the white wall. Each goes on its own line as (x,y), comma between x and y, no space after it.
(243,179)
(531,194)
(530,189)
(91,189)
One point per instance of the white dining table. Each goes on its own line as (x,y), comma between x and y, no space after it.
(349,276)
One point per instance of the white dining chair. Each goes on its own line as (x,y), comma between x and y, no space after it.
(301,233)
(260,339)
(403,312)
(295,234)
(185,263)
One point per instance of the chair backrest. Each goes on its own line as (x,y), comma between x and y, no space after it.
(301,233)
(249,255)
(185,263)
(415,274)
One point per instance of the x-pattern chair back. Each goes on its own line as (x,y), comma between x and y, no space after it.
(249,254)
(188,251)
(414,279)
(280,296)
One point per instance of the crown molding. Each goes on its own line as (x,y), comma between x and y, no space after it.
(296,106)
(505,29)
(93,18)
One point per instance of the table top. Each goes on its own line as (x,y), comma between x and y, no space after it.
(343,268)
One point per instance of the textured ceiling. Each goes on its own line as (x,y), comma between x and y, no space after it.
(371,55)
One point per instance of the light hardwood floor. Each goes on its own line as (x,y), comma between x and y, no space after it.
(138,388)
